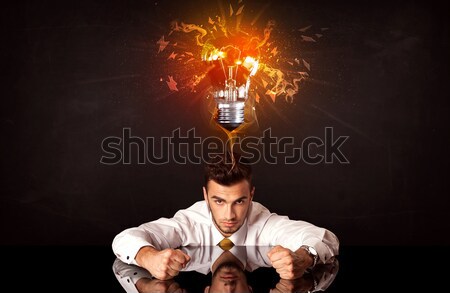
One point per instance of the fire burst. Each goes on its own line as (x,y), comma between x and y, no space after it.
(233,65)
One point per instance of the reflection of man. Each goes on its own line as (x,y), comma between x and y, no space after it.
(227,272)
(135,279)
(227,213)
(203,258)
(318,279)
(228,275)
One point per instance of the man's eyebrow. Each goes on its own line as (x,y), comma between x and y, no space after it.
(216,197)
(219,198)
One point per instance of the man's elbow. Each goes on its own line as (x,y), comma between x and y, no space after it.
(332,241)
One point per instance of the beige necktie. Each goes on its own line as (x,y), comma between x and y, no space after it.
(226,244)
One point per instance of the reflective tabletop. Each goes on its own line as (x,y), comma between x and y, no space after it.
(211,269)
(96,269)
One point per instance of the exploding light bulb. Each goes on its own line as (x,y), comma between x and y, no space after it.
(234,62)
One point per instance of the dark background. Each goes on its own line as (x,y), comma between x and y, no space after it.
(76,72)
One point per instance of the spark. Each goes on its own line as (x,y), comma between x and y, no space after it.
(172,84)
(162,44)
(240,10)
(306,65)
(274,52)
(187,28)
(307,39)
(272,95)
(305,28)
(172,56)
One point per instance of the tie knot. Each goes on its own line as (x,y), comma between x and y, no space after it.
(226,244)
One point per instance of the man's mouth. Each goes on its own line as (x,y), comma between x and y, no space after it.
(228,276)
(229,224)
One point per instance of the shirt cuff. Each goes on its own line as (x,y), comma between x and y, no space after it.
(129,253)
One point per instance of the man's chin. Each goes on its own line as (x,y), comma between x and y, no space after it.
(228,231)
(230,266)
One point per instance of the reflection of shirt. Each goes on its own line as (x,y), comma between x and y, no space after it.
(325,275)
(203,258)
(128,275)
(194,227)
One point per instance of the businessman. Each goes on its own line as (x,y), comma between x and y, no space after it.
(227,216)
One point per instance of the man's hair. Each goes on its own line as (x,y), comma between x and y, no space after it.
(228,169)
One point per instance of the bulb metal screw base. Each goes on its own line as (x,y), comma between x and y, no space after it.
(230,115)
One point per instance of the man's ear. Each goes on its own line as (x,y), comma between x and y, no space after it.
(205,194)
(206,289)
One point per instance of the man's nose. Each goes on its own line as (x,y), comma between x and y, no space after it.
(228,287)
(229,212)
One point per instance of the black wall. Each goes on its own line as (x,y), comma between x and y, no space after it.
(77,72)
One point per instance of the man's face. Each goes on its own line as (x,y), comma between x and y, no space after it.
(228,204)
(229,277)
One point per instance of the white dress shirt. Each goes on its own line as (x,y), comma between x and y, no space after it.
(194,227)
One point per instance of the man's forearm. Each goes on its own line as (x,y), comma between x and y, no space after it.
(145,252)
(307,258)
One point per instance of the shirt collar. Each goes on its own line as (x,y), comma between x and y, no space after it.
(239,237)
(240,252)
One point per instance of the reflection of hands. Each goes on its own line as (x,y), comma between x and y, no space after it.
(303,284)
(288,264)
(318,279)
(331,267)
(146,285)
(164,264)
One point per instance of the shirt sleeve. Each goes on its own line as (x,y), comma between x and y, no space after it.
(280,230)
(128,275)
(160,234)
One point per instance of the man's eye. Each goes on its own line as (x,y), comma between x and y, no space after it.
(239,201)
(218,201)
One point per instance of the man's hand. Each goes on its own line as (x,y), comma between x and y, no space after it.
(302,285)
(146,285)
(288,264)
(164,264)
